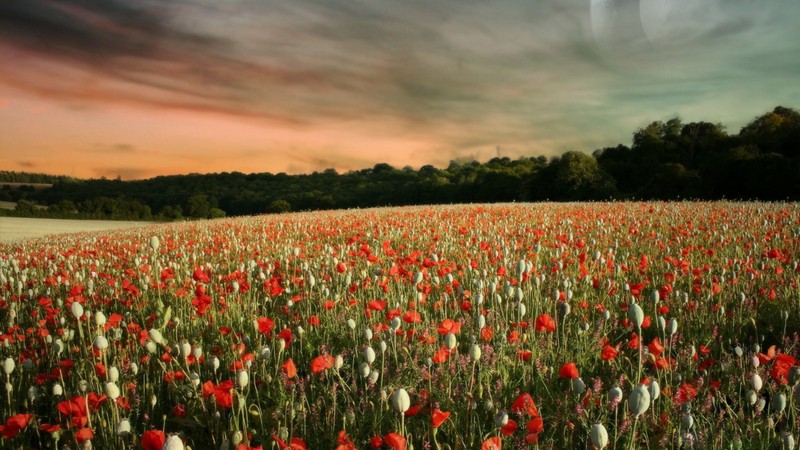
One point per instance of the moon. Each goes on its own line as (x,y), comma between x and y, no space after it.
(668,22)
(616,24)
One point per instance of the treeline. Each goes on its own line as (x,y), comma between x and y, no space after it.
(666,161)
(7,176)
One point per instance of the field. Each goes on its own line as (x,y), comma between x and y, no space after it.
(595,325)
(18,227)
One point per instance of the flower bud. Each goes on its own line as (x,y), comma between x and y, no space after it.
(636,315)
(242,379)
(77,310)
(369,355)
(475,352)
(639,400)
(8,366)
(599,436)
(450,341)
(400,400)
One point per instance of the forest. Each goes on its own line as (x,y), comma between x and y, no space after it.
(666,160)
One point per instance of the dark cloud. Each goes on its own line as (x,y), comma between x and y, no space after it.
(26,164)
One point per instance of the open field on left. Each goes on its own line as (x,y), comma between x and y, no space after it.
(23,227)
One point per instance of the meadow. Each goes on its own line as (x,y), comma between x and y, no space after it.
(582,325)
(12,228)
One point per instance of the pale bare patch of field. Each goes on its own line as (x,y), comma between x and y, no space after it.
(22,227)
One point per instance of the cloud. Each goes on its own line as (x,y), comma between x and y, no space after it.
(26,164)
(459,77)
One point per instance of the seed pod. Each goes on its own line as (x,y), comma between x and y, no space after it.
(639,400)
(338,362)
(396,323)
(687,421)
(778,403)
(77,310)
(124,428)
(756,382)
(578,386)
(501,419)
(351,324)
(400,400)
(363,370)
(173,442)
(101,342)
(8,366)
(615,394)
(154,243)
(672,326)
(654,389)
(242,379)
(599,436)
(636,315)
(450,341)
(112,390)
(367,334)
(369,355)
(475,352)
(156,336)
(99,318)
(787,441)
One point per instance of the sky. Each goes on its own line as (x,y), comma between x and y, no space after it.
(136,89)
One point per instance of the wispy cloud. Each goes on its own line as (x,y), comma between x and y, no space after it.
(532,77)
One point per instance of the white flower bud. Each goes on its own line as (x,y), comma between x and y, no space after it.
(8,366)
(77,310)
(99,318)
(112,390)
(450,341)
(599,436)
(124,428)
(369,355)
(756,382)
(101,342)
(113,374)
(639,400)
(400,400)
(242,379)
(475,352)
(173,442)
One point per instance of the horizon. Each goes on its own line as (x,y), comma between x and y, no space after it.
(112,89)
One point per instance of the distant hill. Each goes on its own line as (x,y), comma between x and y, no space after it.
(666,161)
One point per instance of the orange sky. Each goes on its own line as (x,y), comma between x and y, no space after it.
(138,89)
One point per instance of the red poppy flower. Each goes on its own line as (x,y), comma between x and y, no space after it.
(412,317)
(608,353)
(344,441)
(221,392)
(535,425)
(449,326)
(83,435)
(493,443)
(441,355)
(75,408)
(200,276)
(655,347)
(376,442)
(289,368)
(524,403)
(265,325)
(153,440)
(321,363)
(294,444)
(14,425)
(438,417)
(633,342)
(509,428)
(685,394)
(545,323)
(780,368)
(569,370)
(395,441)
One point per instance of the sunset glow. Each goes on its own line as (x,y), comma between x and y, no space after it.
(139,89)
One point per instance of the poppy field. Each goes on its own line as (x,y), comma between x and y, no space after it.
(516,326)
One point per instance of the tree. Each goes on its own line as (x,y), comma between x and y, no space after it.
(199,206)
(578,176)
(279,206)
